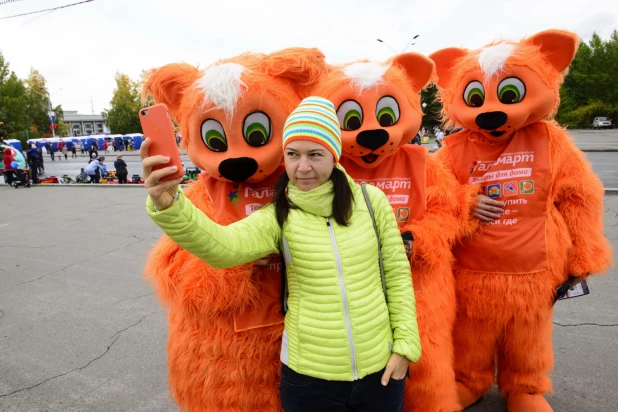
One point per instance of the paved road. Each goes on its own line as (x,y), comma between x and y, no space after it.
(81,331)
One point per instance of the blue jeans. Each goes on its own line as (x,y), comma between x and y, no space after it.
(300,393)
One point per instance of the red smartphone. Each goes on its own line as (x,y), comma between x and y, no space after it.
(158,127)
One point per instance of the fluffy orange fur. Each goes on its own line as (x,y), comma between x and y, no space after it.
(507,317)
(211,366)
(432,387)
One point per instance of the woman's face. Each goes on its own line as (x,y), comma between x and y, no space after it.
(308,164)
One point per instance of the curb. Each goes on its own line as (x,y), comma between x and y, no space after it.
(611,191)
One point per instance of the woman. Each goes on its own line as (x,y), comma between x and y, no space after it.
(121,170)
(94,170)
(344,347)
(8,169)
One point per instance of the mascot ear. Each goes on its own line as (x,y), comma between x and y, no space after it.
(168,83)
(558,47)
(303,68)
(445,59)
(417,67)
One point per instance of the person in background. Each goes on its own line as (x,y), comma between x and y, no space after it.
(32,157)
(41,168)
(105,146)
(73,152)
(60,146)
(103,166)
(84,176)
(65,152)
(439,137)
(121,170)
(50,150)
(8,169)
(94,170)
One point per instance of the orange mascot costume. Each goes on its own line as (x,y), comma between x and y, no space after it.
(225,326)
(507,273)
(379,112)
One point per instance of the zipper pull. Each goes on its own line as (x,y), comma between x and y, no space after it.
(327,222)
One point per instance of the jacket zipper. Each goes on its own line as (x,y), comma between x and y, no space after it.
(346,310)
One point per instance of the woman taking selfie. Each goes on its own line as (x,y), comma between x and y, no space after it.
(347,341)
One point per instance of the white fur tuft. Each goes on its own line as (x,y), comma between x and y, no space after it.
(222,86)
(493,58)
(365,75)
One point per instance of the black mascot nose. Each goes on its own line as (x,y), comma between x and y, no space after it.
(491,120)
(372,139)
(239,169)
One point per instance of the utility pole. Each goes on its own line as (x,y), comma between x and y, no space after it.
(91,105)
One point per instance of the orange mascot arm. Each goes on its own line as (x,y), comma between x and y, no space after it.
(578,194)
(466,194)
(435,233)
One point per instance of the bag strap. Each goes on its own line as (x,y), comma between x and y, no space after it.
(375,228)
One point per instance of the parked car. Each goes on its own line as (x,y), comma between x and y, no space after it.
(601,123)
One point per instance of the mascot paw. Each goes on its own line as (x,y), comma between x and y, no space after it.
(466,396)
(525,402)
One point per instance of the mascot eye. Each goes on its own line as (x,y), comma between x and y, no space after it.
(511,90)
(256,129)
(350,115)
(387,111)
(474,95)
(213,136)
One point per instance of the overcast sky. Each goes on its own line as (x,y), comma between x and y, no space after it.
(79,49)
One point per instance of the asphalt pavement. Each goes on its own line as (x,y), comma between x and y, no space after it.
(80,330)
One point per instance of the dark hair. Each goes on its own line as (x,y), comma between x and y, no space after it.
(342,199)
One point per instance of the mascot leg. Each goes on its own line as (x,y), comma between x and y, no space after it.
(525,360)
(475,345)
(432,387)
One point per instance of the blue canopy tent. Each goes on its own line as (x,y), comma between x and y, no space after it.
(15,143)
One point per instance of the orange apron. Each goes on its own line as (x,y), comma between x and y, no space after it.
(517,172)
(234,202)
(402,178)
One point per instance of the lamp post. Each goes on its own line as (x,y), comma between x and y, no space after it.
(51,113)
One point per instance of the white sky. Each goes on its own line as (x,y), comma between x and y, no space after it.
(79,49)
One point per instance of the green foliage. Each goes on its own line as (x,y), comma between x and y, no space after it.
(123,116)
(13,113)
(583,116)
(591,87)
(431,112)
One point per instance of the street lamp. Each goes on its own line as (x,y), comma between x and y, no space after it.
(381,41)
(404,49)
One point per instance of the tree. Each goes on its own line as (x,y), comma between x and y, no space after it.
(12,103)
(125,104)
(431,112)
(590,88)
(39,103)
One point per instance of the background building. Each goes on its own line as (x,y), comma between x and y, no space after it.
(85,124)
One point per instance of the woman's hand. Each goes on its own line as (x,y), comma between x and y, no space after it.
(162,193)
(488,209)
(396,368)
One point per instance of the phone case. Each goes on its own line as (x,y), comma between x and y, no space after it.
(158,127)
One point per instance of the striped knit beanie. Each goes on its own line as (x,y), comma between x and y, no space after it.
(315,120)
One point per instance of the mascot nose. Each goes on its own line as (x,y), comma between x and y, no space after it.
(372,139)
(491,120)
(239,169)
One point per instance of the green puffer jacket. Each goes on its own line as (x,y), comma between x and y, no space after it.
(338,325)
